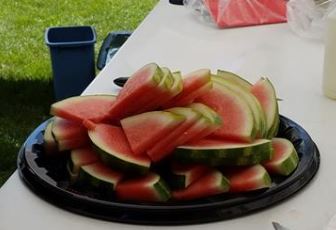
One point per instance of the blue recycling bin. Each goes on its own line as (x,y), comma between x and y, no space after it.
(72,58)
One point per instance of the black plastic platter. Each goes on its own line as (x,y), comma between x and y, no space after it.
(47,177)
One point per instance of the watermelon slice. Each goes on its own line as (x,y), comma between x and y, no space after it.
(220,152)
(69,144)
(238,120)
(68,134)
(185,174)
(168,143)
(49,142)
(234,78)
(80,157)
(149,188)
(144,130)
(99,177)
(212,183)
(285,158)
(248,178)
(191,82)
(113,147)
(265,93)
(258,113)
(139,89)
(63,129)
(166,85)
(78,109)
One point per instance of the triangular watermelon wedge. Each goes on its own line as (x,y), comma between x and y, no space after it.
(63,129)
(145,129)
(285,158)
(164,146)
(78,109)
(113,147)
(171,85)
(212,183)
(236,114)
(248,178)
(139,89)
(264,91)
(192,82)
(148,188)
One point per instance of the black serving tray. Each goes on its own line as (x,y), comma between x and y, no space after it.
(47,177)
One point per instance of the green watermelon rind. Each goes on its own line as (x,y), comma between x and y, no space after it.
(167,80)
(272,126)
(287,165)
(177,86)
(207,113)
(162,190)
(242,161)
(234,78)
(49,142)
(273,131)
(118,163)
(92,182)
(218,152)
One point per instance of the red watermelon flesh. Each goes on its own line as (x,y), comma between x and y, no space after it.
(149,188)
(144,130)
(264,91)
(78,109)
(202,128)
(63,129)
(69,144)
(191,82)
(80,157)
(84,156)
(237,117)
(188,99)
(212,183)
(139,89)
(167,92)
(164,146)
(248,178)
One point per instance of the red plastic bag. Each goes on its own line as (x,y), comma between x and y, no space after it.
(232,13)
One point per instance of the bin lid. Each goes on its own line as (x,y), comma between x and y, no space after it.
(70,36)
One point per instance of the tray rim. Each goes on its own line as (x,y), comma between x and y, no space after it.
(150,208)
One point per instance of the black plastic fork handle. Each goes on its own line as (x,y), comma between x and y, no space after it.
(176,2)
(120,81)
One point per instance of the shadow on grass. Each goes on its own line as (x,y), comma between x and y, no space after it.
(23,105)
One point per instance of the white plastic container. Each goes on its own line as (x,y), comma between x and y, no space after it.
(329,74)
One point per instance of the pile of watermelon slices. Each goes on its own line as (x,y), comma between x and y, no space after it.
(167,137)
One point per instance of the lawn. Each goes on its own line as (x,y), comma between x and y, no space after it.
(25,71)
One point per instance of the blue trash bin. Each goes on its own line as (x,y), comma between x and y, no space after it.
(72,58)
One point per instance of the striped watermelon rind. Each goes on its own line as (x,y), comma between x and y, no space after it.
(150,187)
(124,161)
(98,176)
(287,162)
(234,78)
(216,149)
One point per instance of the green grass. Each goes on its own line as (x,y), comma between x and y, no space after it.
(25,72)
